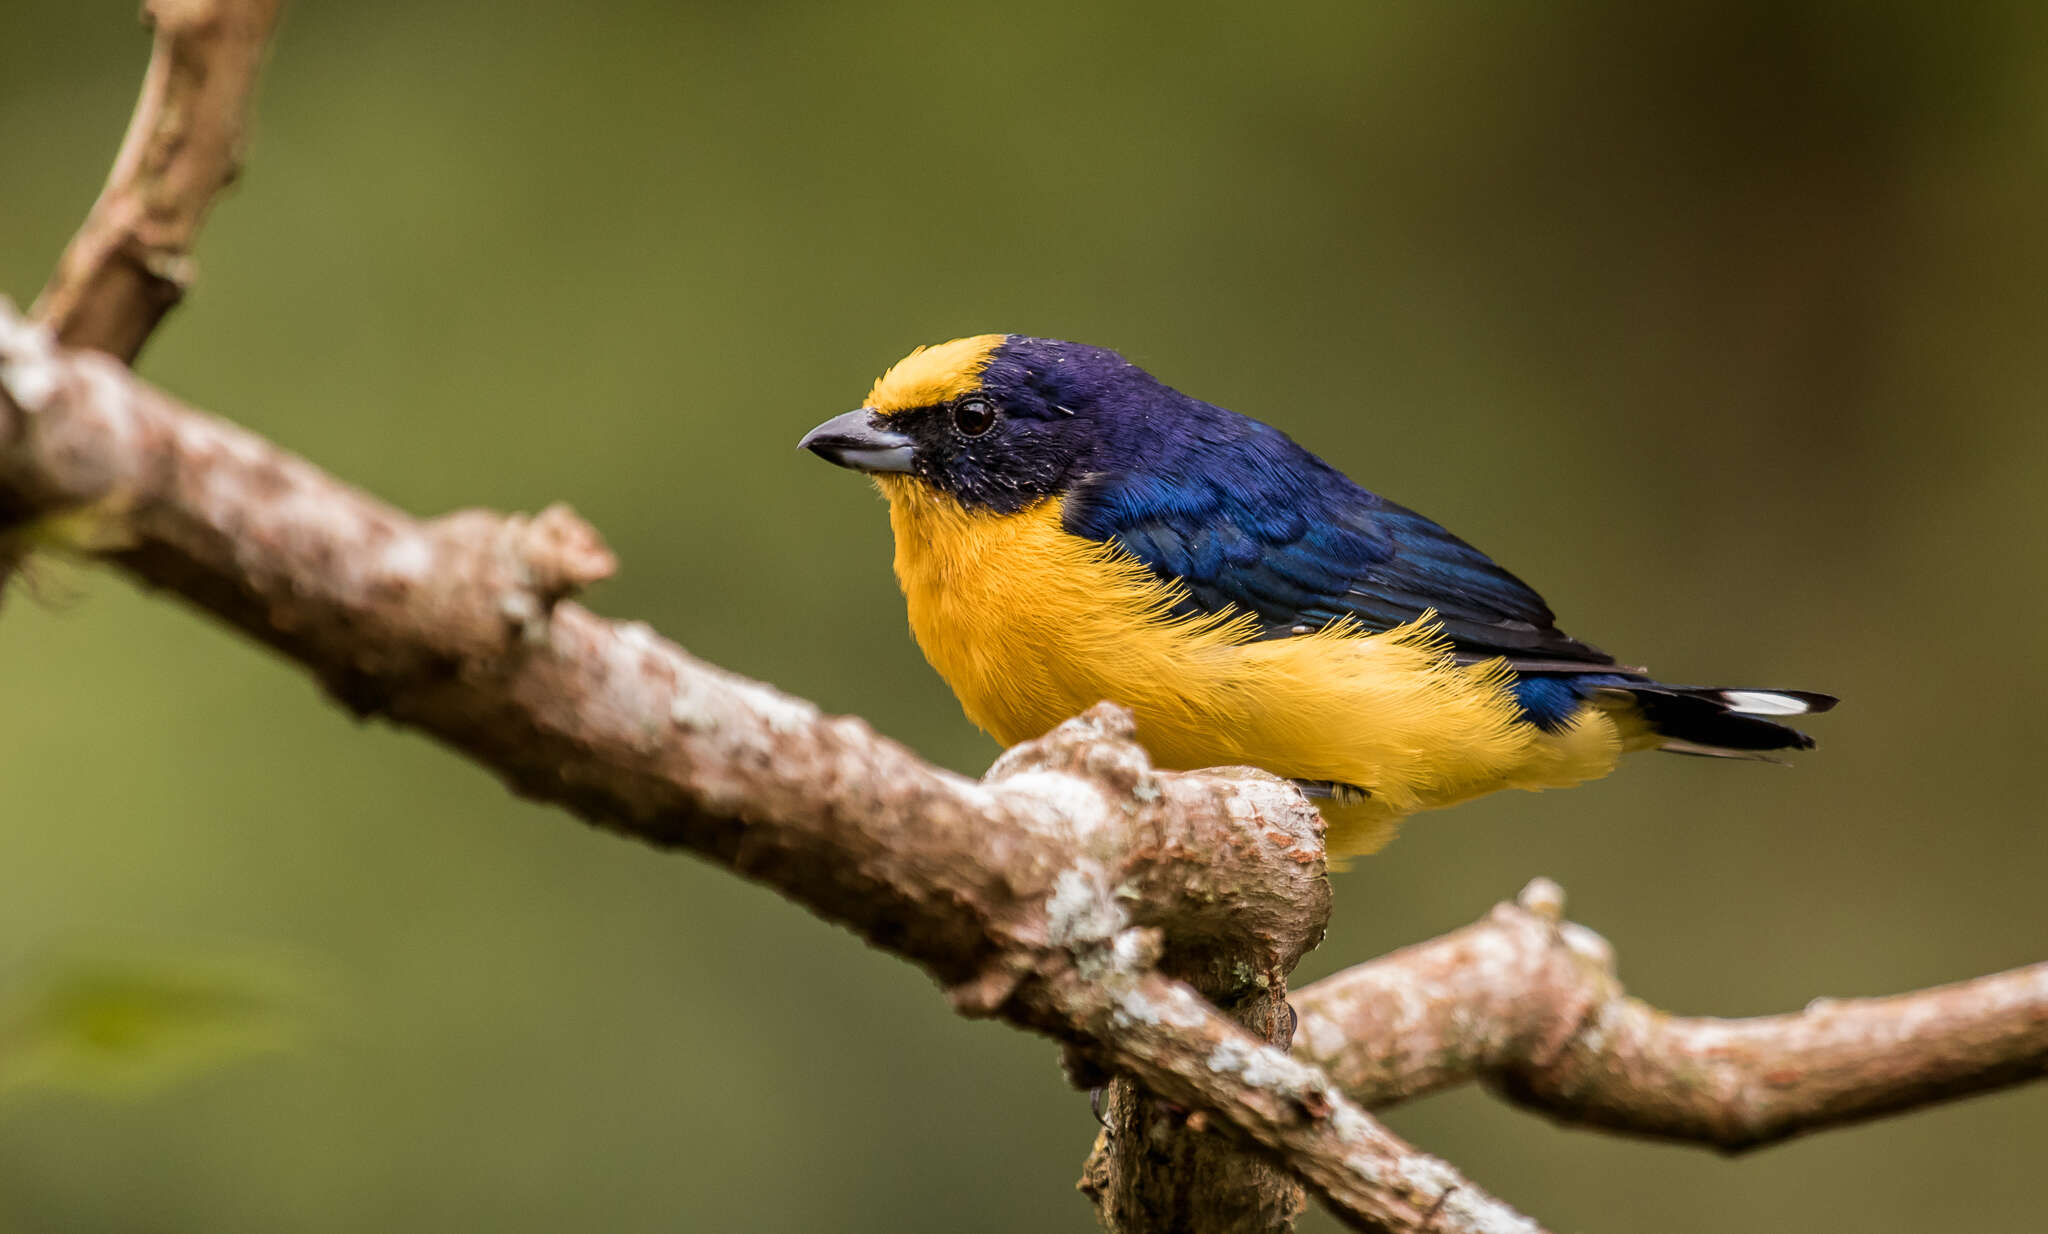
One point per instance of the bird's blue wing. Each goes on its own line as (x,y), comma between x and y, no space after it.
(1263,526)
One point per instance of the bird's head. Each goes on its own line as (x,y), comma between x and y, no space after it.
(997,422)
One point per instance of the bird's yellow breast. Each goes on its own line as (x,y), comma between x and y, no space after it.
(1031,625)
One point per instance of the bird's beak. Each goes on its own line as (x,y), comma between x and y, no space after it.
(860,440)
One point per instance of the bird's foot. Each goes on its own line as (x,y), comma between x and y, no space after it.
(1334,791)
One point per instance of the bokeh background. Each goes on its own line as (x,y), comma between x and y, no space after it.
(1723,323)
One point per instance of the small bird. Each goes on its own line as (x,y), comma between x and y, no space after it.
(1070,529)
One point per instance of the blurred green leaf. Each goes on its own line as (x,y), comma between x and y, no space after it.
(130,1024)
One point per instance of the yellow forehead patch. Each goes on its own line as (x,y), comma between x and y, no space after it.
(934,374)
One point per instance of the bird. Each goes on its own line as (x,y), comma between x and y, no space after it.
(1069,529)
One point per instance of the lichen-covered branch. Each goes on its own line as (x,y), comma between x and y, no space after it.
(459,626)
(1060,892)
(131,262)
(1074,890)
(1530,1003)
(1175,1044)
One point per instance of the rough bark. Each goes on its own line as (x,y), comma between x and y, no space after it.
(1075,890)
(1529,1003)
(1154,1168)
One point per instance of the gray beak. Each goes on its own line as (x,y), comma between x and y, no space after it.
(860,440)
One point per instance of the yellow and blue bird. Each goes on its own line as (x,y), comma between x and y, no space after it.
(1070,529)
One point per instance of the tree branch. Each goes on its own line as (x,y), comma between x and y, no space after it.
(1058,893)
(1075,890)
(131,261)
(1181,1048)
(1530,1003)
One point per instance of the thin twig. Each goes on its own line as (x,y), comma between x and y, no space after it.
(132,260)
(1529,1003)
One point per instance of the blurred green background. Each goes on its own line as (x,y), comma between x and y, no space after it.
(1722,323)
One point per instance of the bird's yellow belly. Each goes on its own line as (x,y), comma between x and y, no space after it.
(1030,625)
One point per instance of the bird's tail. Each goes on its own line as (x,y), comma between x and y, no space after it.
(1722,721)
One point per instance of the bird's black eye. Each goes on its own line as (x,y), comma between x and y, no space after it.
(974,416)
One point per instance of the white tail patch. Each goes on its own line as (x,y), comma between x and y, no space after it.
(1764,703)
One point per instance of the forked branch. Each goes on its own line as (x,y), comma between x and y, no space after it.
(1075,890)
